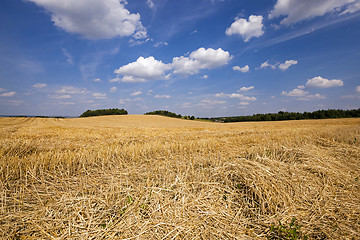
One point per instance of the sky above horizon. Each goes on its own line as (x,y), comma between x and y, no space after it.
(205,58)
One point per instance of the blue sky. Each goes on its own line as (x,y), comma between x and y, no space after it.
(204,58)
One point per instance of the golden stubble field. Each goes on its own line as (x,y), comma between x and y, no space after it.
(152,177)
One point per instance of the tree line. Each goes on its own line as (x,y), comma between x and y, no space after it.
(169,114)
(101,112)
(281,116)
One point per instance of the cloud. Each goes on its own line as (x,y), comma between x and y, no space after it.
(319,82)
(297,11)
(97,80)
(301,87)
(205,77)
(113,89)
(209,103)
(123,101)
(39,85)
(72,90)
(145,69)
(358,89)
(2,89)
(160,43)
(162,96)
(138,42)
(354,7)
(66,96)
(67,103)
(136,93)
(267,64)
(302,95)
(186,66)
(200,59)
(244,103)
(142,70)
(99,95)
(68,56)
(242,69)
(311,97)
(247,29)
(211,58)
(242,97)
(150,3)
(8,94)
(295,93)
(235,95)
(245,89)
(284,66)
(94,19)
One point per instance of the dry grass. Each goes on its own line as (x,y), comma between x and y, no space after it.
(151,177)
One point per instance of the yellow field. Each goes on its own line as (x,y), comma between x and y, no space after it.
(152,177)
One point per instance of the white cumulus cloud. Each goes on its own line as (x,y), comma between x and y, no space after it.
(247,28)
(242,69)
(358,89)
(296,11)
(94,19)
(211,58)
(186,66)
(142,70)
(200,59)
(320,82)
(145,69)
(284,66)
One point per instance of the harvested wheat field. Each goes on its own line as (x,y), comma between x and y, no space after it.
(152,177)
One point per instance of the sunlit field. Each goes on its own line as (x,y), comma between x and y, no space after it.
(152,177)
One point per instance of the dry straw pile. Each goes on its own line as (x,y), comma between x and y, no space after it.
(152,177)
